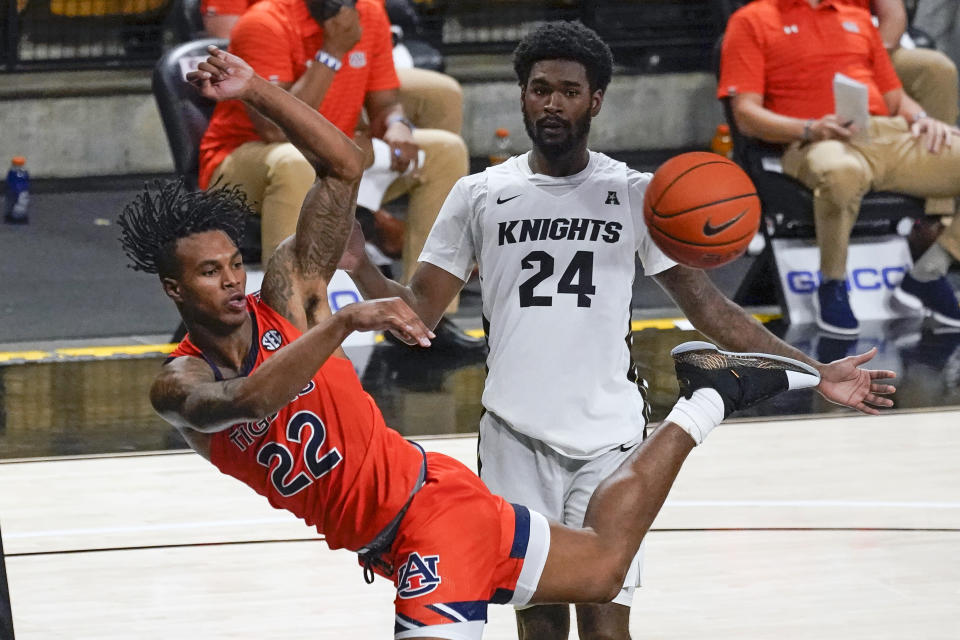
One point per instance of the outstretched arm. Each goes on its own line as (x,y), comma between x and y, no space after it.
(295,280)
(186,395)
(726,323)
(224,76)
(430,291)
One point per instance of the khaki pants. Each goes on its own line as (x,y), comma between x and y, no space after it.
(930,78)
(431,100)
(840,173)
(276,178)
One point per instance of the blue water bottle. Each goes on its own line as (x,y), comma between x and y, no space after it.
(18,192)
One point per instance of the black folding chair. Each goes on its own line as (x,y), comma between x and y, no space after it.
(184,112)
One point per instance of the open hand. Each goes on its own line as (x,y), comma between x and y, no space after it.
(403,150)
(388,314)
(222,76)
(936,135)
(844,382)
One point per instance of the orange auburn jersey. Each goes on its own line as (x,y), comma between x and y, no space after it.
(327,456)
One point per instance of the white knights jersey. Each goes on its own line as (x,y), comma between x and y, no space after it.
(556,261)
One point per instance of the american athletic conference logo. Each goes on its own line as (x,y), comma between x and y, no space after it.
(271,340)
(418,576)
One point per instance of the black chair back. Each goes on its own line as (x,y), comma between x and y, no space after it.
(186,20)
(406,21)
(725,8)
(184,112)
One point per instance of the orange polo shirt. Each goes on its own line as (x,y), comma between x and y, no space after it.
(788,52)
(279,38)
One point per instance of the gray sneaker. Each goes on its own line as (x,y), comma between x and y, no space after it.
(741,379)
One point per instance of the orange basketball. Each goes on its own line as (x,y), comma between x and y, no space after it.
(701,209)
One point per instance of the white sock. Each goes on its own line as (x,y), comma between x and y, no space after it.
(699,415)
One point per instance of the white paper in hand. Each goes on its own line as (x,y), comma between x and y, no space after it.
(850,100)
(188,64)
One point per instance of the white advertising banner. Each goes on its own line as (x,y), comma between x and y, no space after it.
(875,266)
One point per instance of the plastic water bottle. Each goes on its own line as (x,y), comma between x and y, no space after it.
(18,193)
(722,142)
(501,147)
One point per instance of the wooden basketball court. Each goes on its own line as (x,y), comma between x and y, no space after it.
(810,528)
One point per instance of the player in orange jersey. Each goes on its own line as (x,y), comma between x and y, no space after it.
(261,388)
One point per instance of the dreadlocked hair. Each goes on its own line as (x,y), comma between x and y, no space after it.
(158,217)
(560,40)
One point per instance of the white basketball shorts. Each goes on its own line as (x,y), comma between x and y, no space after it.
(529,472)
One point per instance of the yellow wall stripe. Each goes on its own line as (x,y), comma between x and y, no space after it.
(163,349)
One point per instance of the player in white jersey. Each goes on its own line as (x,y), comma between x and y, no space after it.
(554,233)
(557,264)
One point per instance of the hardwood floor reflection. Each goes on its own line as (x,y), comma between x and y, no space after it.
(101,405)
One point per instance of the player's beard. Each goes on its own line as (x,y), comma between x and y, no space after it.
(577,132)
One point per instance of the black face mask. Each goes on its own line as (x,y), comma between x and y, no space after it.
(322,10)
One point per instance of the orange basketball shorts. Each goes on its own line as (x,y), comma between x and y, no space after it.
(459,548)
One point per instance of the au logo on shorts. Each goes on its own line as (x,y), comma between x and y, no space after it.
(418,576)
(271,340)
(358,59)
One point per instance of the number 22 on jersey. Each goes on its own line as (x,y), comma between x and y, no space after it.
(316,465)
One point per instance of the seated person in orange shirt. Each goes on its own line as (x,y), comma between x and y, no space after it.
(340,64)
(777,67)
(430,99)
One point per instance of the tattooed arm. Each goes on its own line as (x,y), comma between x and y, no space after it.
(295,281)
(842,381)
(186,395)
(719,318)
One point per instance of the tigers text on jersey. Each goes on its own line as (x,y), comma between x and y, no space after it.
(327,456)
(556,260)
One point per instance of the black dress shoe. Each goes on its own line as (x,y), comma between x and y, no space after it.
(449,339)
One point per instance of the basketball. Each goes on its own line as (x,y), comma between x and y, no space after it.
(701,209)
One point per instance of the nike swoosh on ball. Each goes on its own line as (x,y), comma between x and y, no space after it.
(710,230)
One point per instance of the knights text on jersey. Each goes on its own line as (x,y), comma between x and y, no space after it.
(556,267)
(324,455)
